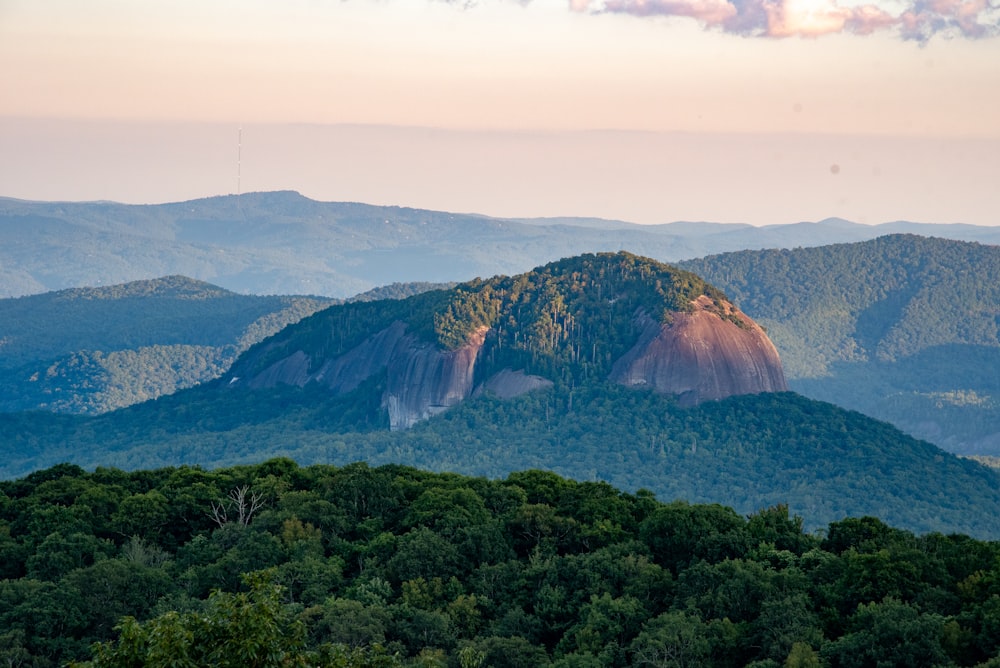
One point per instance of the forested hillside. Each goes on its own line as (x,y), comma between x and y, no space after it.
(903,328)
(570,322)
(747,452)
(90,350)
(358,566)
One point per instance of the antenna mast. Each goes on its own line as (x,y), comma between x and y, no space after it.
(239,158)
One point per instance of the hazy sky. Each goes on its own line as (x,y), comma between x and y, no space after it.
(761,111)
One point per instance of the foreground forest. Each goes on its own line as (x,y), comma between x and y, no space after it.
(277,564)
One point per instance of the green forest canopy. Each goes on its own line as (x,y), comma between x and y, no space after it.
(746,452)
(277,565)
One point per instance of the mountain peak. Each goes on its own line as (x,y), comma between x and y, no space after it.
(592,318)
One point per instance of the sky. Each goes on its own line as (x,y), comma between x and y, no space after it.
(756,111)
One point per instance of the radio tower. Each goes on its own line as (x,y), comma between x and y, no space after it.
(239,169)
(239,159)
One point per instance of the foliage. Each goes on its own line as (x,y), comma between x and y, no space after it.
(748,452)
(343,568)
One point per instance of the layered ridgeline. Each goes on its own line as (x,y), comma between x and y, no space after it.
(903,328)
(284,243)
(591,318)
(568,368)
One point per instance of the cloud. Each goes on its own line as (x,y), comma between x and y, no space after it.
(924,19)
(709,11)
(919,20)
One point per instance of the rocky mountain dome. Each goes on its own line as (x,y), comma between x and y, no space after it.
(700,355)
(606,317)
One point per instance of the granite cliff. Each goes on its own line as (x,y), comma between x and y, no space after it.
(606,317)
(702,355)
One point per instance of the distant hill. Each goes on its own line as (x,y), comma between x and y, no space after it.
(89,350)
(580,342)
(284,243)
(903,328)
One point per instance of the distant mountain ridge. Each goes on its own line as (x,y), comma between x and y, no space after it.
(284,243)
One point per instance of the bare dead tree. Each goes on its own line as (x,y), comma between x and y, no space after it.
(242,503)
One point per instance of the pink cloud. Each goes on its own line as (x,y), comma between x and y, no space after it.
(711,12)
(811,18)
(963,17)
(868,19)
(804,18)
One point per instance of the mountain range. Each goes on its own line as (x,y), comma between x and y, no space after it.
(569,367)
(284,243)
(902,328)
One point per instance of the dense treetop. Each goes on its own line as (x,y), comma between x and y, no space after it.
(278,565)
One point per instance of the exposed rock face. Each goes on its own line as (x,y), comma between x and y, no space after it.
(425,381)
(340,374)
(343,374)
(422,380)
(508,384)
(702,356)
